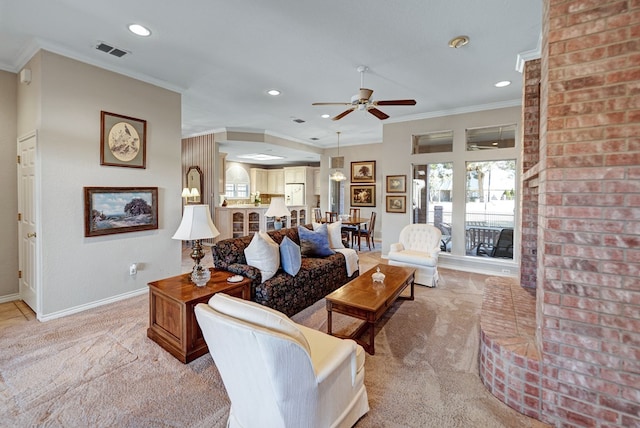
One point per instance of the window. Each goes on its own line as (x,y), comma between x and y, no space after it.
(490,205)
(491,138)
(433,142)
(432,198)
(237,182)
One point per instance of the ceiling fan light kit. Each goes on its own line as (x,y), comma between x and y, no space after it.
(362,101)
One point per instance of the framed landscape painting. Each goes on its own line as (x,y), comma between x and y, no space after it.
(396,183)
(363,172)
(109,210)
(123,141)
(397,204)
(363,195)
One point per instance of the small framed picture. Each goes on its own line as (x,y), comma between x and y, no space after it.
(363,195)
(109,210)
(397,204)
(363,172)
(396,183)
(123,141)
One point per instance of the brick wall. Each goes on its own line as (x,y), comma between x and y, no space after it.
(589,213)
(530,157)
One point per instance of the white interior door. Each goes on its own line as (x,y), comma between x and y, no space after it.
(28,239)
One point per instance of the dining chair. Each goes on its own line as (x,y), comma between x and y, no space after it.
(331,216)
(367,232)
(350,230)
(317,215)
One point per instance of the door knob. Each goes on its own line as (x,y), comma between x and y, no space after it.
(31,235)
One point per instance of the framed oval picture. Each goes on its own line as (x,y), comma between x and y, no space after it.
(123,140)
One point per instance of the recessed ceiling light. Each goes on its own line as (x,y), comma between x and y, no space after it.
(139,30)
(273,92)
(502,84)
(325,116)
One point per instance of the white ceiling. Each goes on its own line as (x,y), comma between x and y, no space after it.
(223,56)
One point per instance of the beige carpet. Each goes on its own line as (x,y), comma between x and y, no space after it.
(98,369)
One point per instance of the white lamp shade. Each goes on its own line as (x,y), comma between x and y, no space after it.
(196,224)
(186,193)
(277,208)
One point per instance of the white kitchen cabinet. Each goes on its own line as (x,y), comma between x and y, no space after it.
(275,179)
(259,180)
(316,181)
(296,175)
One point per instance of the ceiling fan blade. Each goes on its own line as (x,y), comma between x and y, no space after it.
(377,113)
(331,104)
(343,114)
(395,103)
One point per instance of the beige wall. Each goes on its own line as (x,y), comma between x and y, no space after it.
(63,104)
(9,206)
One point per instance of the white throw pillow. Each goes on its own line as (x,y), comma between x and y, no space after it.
(335,233)
(264,254)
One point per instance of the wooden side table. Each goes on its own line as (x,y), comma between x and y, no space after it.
(172,321)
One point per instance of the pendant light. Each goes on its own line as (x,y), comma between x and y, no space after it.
(337,163)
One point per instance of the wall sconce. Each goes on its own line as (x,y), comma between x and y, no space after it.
(187,194)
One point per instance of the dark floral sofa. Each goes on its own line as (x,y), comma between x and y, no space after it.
(288,294)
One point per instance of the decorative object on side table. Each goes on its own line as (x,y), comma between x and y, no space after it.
(196,225)
(277,209)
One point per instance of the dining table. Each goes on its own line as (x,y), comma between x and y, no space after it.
(352,221)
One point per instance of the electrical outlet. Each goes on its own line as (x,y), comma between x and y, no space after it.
(133,269)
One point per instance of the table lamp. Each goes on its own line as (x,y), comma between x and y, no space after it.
(196,224)
(277,209)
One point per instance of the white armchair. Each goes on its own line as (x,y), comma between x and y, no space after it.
(418,247)
(279,373)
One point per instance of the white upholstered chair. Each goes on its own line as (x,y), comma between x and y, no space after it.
(279,373)
(418,247)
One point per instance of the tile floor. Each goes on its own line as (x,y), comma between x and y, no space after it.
(14,313)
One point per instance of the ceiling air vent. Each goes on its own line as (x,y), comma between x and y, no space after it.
(101,46)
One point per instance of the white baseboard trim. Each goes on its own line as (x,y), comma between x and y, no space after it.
(91,305)
(9,298)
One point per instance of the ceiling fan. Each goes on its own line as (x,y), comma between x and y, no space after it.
(362,101)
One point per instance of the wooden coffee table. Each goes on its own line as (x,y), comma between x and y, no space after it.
(172,321)
(363,299)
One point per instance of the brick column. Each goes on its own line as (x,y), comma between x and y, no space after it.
(589,213)
(530,156)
